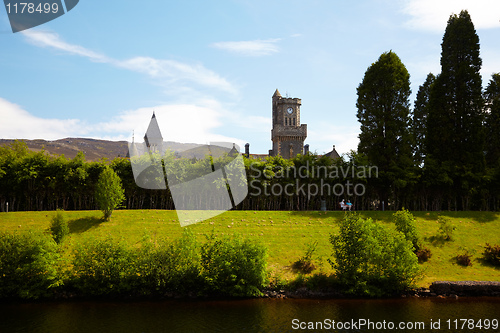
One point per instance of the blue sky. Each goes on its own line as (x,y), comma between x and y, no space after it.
(210,68)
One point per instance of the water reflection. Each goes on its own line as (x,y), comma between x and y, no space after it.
(261,315)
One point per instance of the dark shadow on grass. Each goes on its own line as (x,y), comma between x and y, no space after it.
(437,240)
(486,263)
(477,216)
(83,224)
(301,266)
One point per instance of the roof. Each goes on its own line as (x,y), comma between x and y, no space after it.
(153,134)
(277,93)
(234,152)
(333,154)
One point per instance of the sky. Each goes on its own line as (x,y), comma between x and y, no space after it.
(208,69)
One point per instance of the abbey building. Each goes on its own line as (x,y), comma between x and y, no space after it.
(288,134)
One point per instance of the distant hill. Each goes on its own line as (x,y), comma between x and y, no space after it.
(96,149)
(92,148)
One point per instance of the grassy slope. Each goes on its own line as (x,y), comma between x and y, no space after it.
(286,234)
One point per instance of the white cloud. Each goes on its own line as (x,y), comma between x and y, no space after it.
(252,48)
(45,39)
(433,15)
(179,122)
(491,64)
(19,124)
(324,136)
(162,70)
(175,71)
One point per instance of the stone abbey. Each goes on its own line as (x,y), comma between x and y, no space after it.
(288,134)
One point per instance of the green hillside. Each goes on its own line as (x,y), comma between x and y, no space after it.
(287,234)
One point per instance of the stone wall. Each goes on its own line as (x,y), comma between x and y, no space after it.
(466,288)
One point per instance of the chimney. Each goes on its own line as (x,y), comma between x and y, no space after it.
(306,149)
(247,150)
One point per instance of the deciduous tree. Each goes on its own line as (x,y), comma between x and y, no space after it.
(109,193)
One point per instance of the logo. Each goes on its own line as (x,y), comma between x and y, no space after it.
(204,181)
(30,13)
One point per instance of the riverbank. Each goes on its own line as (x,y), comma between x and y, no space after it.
(441,289)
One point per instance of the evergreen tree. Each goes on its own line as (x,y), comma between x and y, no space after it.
(455,138)
(383,111)
(492,99)
(419,120)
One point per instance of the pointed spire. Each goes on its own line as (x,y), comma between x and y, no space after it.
(277,93)
(153,135)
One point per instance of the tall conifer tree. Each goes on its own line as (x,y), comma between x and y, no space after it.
(383,111)
(455,137)
(419,120)
(492,99)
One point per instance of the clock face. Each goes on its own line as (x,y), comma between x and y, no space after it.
(289,110)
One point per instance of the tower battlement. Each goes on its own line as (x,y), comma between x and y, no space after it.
(287,134)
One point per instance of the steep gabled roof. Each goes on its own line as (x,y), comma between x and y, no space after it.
(333,154)
(153,135)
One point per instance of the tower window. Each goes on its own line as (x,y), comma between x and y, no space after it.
(286,121)
(293,121)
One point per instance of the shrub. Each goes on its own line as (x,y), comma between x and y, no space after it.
(28,265)
(372,260)
(109,193)
(492,254)
(59,227)
(445,228)
(423,254)
(233,266)
(406,224)
(171,266)
(464,259)
(306,264)
(103,266)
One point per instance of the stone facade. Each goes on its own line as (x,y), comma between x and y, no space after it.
(287,134)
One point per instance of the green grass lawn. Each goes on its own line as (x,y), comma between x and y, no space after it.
(287,234)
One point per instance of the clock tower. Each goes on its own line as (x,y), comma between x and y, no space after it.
(288,135)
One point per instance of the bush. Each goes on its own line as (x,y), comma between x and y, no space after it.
(103,266)
(445,228)
(28,265)
(464,259)
(59,227)
(406,224)
(423,254)
(233,266)
(371,260)
(171,266)
(306,264)
(492,254)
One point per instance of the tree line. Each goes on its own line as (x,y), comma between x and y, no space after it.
(444,153)
(35,180)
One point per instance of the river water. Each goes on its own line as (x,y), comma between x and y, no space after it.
(255,315)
